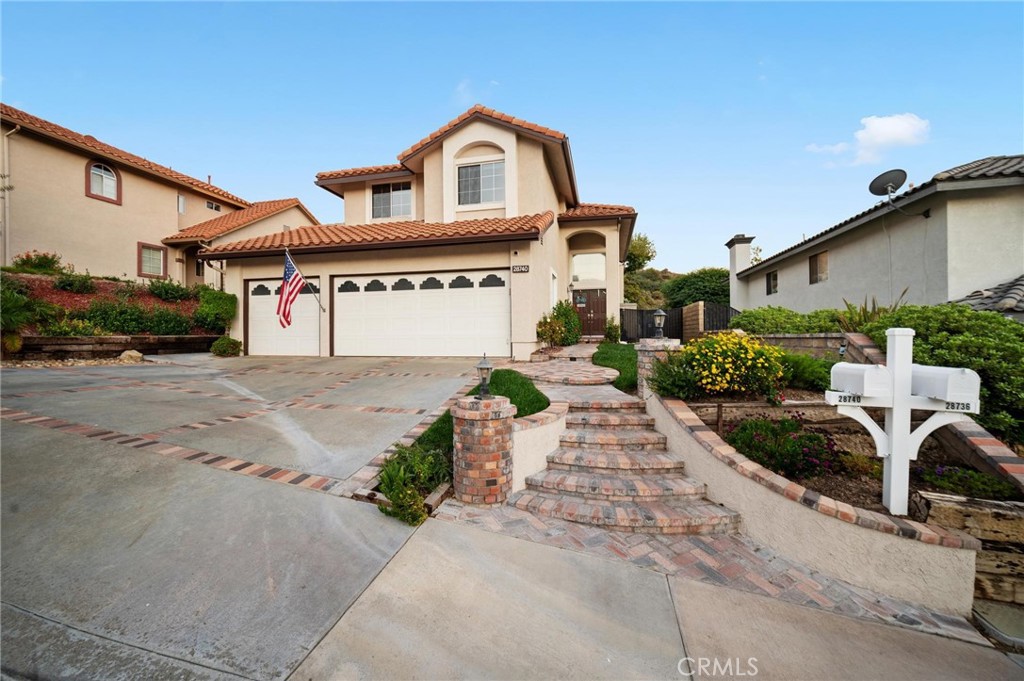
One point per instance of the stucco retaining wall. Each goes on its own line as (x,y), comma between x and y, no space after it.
(935,568)
(533,438)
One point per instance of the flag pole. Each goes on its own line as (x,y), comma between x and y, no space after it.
(311,290)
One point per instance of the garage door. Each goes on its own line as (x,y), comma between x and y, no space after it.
(433,314)
(266,337)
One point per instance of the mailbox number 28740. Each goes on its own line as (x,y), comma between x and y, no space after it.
(849,399)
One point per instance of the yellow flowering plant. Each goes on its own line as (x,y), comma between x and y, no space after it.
(721,364)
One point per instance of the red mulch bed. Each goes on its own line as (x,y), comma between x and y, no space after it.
(41,288)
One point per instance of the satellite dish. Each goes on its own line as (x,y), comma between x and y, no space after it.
(888,182)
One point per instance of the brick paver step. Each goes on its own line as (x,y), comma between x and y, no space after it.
(619,486)
(606,439)
(627,420)
(598,460)
(689,517)
(632,405)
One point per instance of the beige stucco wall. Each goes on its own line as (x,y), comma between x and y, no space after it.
(876,260)
(49,211)
(464,145)
(986,239)
(531,444)
(608,230)
(937,577)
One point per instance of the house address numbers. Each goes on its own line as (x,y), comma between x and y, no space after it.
(517,269)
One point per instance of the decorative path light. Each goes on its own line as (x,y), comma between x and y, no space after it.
(899,387)
(484,369)
(659,323)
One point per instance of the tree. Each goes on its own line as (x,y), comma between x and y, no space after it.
(710,284)
(644,287)
(641,251)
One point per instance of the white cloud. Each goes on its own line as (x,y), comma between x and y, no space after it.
(463,94)
(877,135)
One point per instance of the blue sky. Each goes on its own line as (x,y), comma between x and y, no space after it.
(711,119)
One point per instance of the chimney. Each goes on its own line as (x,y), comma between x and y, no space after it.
(209,179)
(739,260)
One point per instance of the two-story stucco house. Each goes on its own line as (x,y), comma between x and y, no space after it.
(960,232)
(456,250)
(112,213)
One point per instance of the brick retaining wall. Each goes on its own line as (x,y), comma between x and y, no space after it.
(101,347)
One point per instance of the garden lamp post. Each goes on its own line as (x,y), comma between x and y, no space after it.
(659,323)
(484,369)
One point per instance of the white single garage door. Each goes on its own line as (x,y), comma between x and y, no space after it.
(267,337)
(434,314)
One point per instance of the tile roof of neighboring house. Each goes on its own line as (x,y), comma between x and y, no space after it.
(224,224)
(590,211)
(359,172)
(101,149)
(988,168)
(340,237)
(479,111)
(1005,298)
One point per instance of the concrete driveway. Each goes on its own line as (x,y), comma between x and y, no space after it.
(130,549)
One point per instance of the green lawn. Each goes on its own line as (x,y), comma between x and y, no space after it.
(505,382)
(621,358)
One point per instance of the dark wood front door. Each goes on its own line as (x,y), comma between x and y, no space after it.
(590,306)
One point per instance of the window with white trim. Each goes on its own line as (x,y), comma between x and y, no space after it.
(482,183)
(152,261)
(213,206)
(392,200)
(181,204)
(102,181)
(818,267)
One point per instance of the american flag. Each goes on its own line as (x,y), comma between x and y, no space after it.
(291,286)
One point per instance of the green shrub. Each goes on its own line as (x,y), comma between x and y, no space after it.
(954,335)
(822,321)
(170,291)
(16,310)
(970,483)
(396,483)
(805,372)
(71,327)
(770,319)
(216,309)
(784,447)
(720,364)
(710,284)
(226,346)
(565,313)
(9,283)
(127,291)
(38,262)
(612,331)
(165,322)
(861,464)
(75,283)
(116,317)
(550,331)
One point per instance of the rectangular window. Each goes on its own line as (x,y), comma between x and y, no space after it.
(392,200)
(482,183)
(199,268)
(818,269)
(771,282)
(152,261)
(181,204)
(213,206)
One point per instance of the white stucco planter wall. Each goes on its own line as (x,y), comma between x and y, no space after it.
(935,569)
(533,438)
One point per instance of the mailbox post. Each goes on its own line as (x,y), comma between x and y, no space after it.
(899,387)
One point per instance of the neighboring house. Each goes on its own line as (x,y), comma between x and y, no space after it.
(1007,299)
(971,239)
(110,212)
(456,250)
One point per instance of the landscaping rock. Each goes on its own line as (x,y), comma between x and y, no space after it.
(131,356)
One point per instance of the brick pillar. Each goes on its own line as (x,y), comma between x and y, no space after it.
(483,449)
(648,350)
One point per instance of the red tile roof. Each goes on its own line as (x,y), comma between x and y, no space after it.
(219,226)
(340,237)
(359,172)
(586,211)
(101,149)
(479,111)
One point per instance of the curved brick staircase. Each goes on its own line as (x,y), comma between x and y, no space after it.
(613,470)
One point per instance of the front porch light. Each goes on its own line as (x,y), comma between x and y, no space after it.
(484,369)
(659,323)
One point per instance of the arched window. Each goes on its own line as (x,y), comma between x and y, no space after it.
(102,182)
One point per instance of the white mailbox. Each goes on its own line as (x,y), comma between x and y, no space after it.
(958,388)
(867,380)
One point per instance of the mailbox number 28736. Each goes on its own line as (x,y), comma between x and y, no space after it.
(958,406)
(849,399)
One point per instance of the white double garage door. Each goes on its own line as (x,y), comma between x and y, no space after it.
(434,314)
